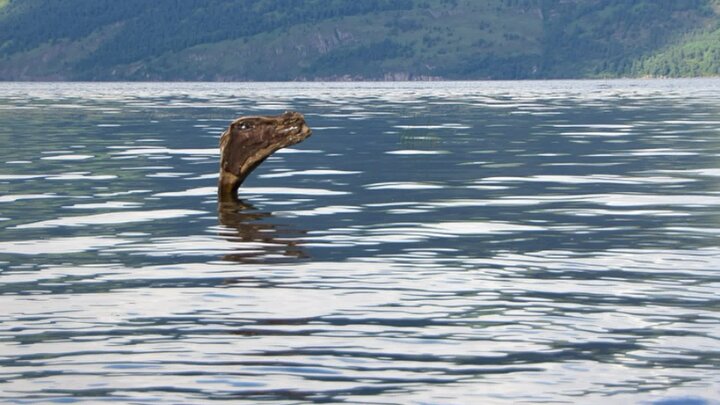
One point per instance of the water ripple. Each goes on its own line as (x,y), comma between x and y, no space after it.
(111,218)
(489,242)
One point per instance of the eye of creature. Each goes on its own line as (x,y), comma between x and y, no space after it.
(245,125)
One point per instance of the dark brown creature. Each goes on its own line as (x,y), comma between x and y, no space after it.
(249,141)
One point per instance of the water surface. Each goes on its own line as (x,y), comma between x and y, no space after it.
(485,242)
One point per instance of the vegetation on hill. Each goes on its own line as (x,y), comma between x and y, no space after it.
(695,56)
(350,39)
(606,37)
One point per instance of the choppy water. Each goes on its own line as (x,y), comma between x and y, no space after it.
(531,242)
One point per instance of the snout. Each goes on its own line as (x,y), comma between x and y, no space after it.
(305,130)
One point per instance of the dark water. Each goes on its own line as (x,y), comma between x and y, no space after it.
(479,243)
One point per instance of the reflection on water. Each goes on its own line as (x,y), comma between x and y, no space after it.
(244,228)
(486,242)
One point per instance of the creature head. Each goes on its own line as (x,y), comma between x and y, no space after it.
(250,140)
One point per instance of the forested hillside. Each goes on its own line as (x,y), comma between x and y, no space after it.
(351,39)
(696,55)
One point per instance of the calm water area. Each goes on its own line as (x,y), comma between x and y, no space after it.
(430,243)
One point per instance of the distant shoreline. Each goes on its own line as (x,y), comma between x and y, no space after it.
(588,79)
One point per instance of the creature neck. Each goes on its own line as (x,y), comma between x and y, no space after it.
(228,186)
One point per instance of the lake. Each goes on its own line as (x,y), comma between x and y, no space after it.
(430,243)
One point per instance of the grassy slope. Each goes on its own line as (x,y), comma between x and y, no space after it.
(270,40)
(696,54)
(605,38)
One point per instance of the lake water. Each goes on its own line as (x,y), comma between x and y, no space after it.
(431,243)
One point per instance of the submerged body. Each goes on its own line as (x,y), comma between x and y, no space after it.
(249,141)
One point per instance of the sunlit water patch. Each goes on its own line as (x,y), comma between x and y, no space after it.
(488,242)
